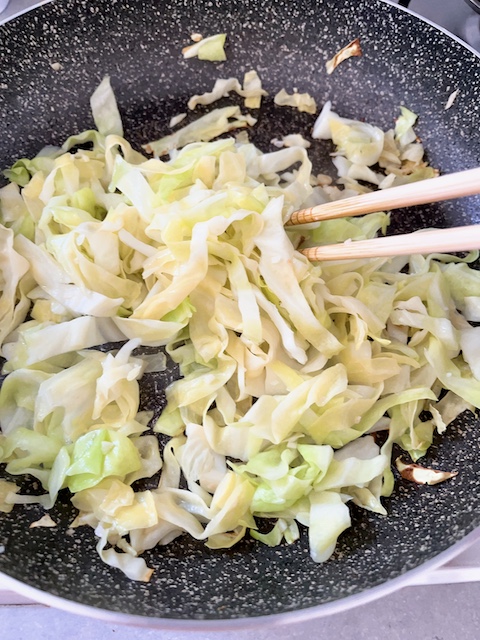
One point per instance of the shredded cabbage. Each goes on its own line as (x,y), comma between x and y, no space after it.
(360,146)
(288,369)
(211,48)
(105,111)
(252,91)
(291,140)
(206,128)
(301,101)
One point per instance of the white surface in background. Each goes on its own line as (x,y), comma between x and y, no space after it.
(416,613)
(17,7)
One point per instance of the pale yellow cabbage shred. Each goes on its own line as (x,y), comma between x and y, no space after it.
(288,367)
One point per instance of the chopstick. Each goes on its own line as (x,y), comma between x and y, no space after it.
(453,185)
(432,241)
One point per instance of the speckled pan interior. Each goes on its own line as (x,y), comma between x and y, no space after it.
(138,43)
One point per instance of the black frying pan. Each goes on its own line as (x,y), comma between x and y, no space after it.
(138,43)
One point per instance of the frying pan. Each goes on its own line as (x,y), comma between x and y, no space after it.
(138,43)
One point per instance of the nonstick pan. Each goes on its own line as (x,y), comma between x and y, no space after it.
(405,61)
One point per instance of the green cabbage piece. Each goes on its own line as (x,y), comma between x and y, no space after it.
(287,368)
(99,454)
(74,425)
(104,109)
(211,48)
(404,126)
(360,147)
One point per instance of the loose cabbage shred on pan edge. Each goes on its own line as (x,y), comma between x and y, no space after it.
(288,367)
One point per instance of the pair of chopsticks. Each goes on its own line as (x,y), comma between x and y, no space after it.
(454,185)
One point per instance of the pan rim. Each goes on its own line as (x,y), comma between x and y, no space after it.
(438,27)
(24,10)
(265,621)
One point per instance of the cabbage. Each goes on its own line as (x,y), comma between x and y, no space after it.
(72,426)
(105,111)
(38,341)
(292,140)
(7,492)
(360,145)
(205,128)
(329,517)
(15,283)
(404,133)
(359,142)
(211,48)
(99,454)
(300,101)
(221,89)
(353,48)
(287,368)
(176,120)
(252,91)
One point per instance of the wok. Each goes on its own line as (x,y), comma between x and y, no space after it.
(406,61)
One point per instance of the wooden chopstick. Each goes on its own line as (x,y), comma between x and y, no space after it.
(453,185)
(433,241)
